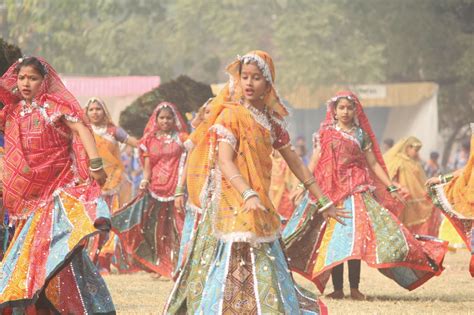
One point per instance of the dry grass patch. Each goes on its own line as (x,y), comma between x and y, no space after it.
(451,293)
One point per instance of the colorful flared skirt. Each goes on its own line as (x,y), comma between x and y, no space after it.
(191,222)
(46,257)
(373,234)
(237,278)
(149,231)
(463,226)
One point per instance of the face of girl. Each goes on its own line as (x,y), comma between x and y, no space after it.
(96,113)
(412,151)
(345,111)
(207,113)
(253,83)
(29,82)
(165,119)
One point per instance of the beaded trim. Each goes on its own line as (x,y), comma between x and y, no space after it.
(261,64)
(188,145)
(102,132)
(225,135)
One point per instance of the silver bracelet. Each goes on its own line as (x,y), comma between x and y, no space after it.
(249,193)
(234,177)
(96,169)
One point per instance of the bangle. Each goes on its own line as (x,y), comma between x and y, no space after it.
(144,181)
(249,193)
(96,163)
(179,194)
(324,203)
(392,188)
(95,169)
(300,185)
(309,182)
(234,177)
(179,190)
(445,178)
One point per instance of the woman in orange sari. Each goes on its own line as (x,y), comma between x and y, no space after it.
(117,190)
(404,167)
(237,264)
(55,207)
(454,195)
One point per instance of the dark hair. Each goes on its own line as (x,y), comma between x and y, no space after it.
(32,62)
(434,155)
(349,99)
(169,109)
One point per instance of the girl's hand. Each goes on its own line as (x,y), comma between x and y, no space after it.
(253,204)
(398,197)
(143,184)
(433,181)
(179,203)
(100,176)
(336,213)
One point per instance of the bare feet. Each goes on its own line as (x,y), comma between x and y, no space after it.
(337,295)
(357,295)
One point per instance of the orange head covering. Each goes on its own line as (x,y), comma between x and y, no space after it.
(204,177)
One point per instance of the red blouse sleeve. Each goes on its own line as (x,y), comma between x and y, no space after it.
(281,136)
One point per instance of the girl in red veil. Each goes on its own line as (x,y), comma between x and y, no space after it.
(49,157)
(150,226)
(349,168)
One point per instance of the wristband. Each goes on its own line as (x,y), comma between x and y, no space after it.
(392,188)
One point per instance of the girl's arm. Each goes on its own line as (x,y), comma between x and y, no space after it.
(88,141)
(146,173)
(380,173)
(304,175)
(179,196)
(132,141)
(232,174)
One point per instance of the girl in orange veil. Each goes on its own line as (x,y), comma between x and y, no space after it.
(454,195)
(419,215)
(236,255)
(117,190)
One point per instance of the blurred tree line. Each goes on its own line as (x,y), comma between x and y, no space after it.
(313,41)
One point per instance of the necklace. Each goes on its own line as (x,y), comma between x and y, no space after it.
(25,109)
(166,135)
(349,130)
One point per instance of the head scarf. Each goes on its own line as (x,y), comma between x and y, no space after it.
(460,190)
(396,155)
(107,116)
(152,125)
(198,167)
(265,63)
(203,173)
(361,121)
(51,91)
(412,177)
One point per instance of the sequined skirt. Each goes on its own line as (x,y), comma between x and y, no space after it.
(372,234)
(46,257)
(234,277)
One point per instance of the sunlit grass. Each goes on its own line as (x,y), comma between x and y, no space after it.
(451,293)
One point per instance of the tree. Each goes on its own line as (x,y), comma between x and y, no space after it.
(187,94)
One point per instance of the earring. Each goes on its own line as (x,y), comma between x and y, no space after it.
(262,96)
